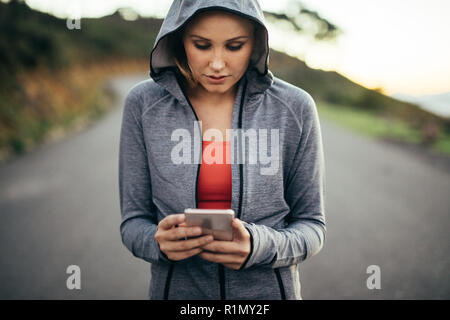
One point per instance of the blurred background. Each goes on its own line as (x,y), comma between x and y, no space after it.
(378,71)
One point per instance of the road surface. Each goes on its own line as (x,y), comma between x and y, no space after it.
(59,206)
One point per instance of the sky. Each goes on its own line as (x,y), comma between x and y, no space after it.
(400,46)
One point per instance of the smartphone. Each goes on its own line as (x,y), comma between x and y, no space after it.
(212,221)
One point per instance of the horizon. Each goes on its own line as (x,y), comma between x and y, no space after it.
(360,54)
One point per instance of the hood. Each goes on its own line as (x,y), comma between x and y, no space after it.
(162,66)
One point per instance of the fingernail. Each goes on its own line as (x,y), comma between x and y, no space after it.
(209,238)
(197,230)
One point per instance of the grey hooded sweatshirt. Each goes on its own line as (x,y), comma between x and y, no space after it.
(280,200)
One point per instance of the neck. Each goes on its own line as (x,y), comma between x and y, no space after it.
(199,93)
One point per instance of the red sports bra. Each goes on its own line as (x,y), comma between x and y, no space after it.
(214,181)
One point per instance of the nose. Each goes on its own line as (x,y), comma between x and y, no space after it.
(217,63)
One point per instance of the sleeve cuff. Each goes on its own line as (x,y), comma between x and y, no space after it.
(251,250)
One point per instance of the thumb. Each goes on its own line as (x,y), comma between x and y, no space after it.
(239,229)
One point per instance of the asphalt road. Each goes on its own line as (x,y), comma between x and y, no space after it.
(59,206)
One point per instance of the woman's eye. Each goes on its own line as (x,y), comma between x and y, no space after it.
(235,48)
(232,48)
(201,47)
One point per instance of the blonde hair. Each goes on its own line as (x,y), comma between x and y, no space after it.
(176,46)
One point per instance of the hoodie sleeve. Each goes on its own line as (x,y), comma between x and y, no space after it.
(139,219)
(304,233)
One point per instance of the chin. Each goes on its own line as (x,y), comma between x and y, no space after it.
(216,88)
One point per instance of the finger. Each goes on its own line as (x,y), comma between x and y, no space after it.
(239,227)
(222,247)
(185,245)
(184,254)
(234,266)
(221,257)
(171,220)
(181,233)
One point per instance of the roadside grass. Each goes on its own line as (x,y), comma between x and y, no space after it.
(369,124)
(50,105)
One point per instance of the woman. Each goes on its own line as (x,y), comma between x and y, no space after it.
(211,90)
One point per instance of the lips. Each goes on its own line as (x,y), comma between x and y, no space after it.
(216,80)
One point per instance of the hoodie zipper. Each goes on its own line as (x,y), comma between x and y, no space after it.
(221,267)
(241,189)
(241,155)
(169,274)
(280,284)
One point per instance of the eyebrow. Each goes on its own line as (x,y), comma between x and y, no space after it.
(235,38)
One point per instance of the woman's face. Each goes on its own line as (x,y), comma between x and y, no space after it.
(218,44)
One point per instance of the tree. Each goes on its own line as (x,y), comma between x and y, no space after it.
(305,21)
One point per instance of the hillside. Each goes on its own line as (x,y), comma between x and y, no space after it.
(334,88)
(47,78)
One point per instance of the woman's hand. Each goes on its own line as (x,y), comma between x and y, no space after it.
(171,238)
(232,254)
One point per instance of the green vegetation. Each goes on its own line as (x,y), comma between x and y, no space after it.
(370,124)
(52,78)
(29,39)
